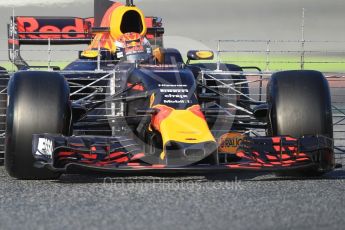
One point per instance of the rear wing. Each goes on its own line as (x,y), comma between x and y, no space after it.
(155,31)
(25,30)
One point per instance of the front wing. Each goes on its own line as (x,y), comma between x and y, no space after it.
(122,155)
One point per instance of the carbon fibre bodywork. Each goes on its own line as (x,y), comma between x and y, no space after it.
(123,155)
(168,125)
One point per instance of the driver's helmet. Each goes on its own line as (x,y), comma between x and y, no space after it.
(133,47)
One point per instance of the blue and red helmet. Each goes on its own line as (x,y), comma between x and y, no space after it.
(133,47)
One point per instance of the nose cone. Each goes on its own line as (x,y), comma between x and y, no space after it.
(185,134)
(183,126)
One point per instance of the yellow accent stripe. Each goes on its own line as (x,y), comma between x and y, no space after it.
(186,127)
(162,156)
(204,54)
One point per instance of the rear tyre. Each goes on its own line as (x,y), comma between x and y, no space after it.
(38,103)
(3,104)
(300,104)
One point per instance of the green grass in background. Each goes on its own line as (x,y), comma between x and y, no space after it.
(10,67)
(324,64)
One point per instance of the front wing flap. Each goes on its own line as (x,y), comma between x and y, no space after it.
(79,154)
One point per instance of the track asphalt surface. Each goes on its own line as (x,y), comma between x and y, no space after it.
(197,202)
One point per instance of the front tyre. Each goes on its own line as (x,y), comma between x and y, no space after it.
(300,104)
(38,103)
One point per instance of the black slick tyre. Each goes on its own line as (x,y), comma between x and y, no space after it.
(38,103)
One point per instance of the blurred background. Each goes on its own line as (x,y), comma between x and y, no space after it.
(193,24)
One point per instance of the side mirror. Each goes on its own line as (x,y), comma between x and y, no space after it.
(200,55)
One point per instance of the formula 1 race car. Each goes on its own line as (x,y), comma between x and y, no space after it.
(126,107)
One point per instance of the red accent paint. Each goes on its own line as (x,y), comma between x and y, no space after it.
(240,154)
(289,162)
(81,26)
(76,144)
(27,24)
(86,161)
(290,139)
(138,156)
(78,27)
(89,156)
(50,29)
(303,159)
(149,22)
(122,160)
(271,158)
(292,149)
(64,154)
(242,166)
(260,161)
(276,140)
(93,148)
(196,109)
(256,153)
(31,24)
(300,155)
(158,166)
(136,87)
(233,166)
(116,154)
(285,156)
(163,112)
(107,16)
(105,39)
(13,41)
(138,167)
(277,148)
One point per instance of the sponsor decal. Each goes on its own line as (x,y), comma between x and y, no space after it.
(45,147)
(175,96)
(175,93)
(134,49)
(119,54)
(174,90)
(177,101)
(167,85)
(69,28)
(229,142)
